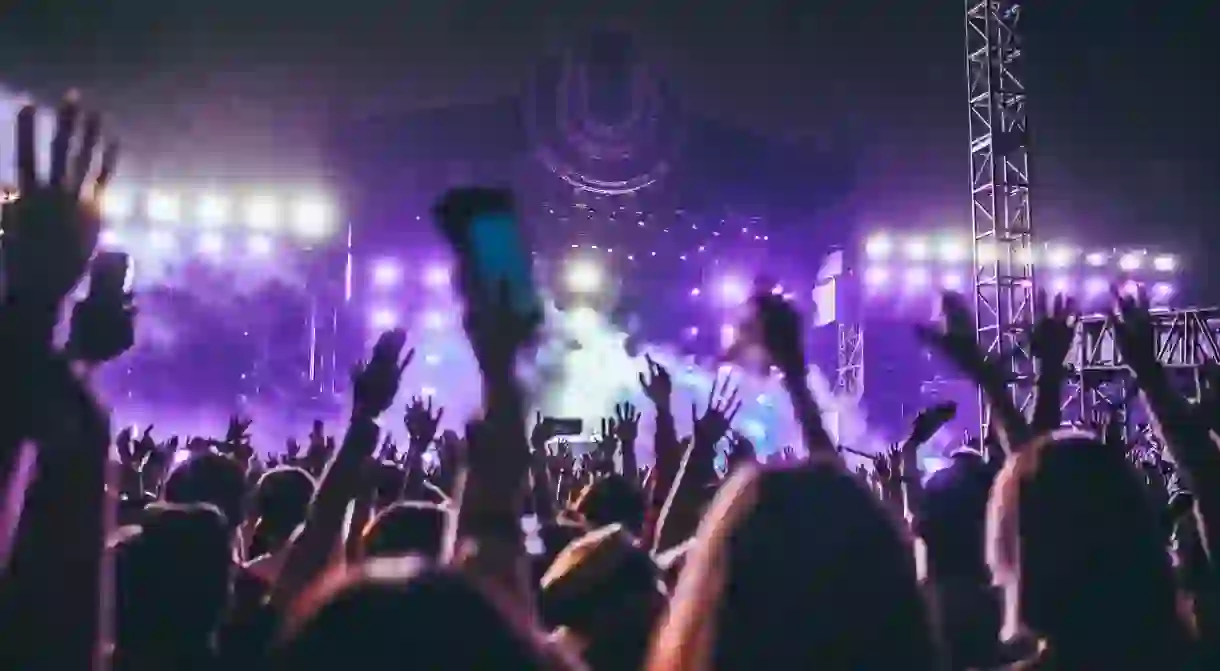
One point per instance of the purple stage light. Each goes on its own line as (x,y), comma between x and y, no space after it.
(383,318)
(386,273)
(1096,285)
(879,247)
(876,277)
(436,277)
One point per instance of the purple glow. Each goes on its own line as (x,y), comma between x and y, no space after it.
(1096,285)
(436,277)
(386,273)
(876,277)
(383,318)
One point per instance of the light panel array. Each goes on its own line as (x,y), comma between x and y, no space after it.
(916,264)
(311,218)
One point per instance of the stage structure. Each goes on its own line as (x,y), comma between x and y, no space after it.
(1186,341)
(1004,282)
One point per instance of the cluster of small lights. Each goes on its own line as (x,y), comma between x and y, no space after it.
(311,217)
(917,263)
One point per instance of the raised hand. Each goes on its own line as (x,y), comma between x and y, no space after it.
(422,420)
(52,229)
(1054,330)
(375,382)
(658,386)
(626,423)
(722,407)
(1133,330)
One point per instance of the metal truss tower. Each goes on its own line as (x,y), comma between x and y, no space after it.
(1000,190)
(1186,340)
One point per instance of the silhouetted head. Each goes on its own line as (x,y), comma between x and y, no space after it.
(403,612)
(797,568)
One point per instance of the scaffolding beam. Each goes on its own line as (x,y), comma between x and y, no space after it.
(1000,215)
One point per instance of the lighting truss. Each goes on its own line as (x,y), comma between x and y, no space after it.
(999,185)
(1186,340)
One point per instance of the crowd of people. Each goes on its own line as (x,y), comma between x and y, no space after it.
(1036,547)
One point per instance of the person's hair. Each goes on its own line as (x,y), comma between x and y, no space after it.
(1074,541)
(173,574)
(797,567)
(403,611)
(210,478)
(281,502)
(409,527)
(612,500)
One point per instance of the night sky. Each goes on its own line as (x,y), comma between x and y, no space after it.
(1122,92)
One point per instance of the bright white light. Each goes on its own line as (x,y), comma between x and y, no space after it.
(164,208)
(259,245)
(1059,257)
(436,277)
(263,213)
(1096,285)
(383,319)
(117,205)
(876,276)
(214,210)
(916,277)
(584,277)
(917,250)
(879,246)
(162,241)
(1164,264)
(313,218)
(211,243)
(1129,262)
(952,282)
(952,251)
(1096,259)
(733,291)
(434,321)
(386,273)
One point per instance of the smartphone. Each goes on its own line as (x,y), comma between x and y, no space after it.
(110,276)
(483,227)
(564,426)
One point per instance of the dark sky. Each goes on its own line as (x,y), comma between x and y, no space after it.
(1122,106)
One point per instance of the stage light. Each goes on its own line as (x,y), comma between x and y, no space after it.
(259,245)
(164,208)
(1061,285)
(1096,259)
(584,277)
(879,247)
(162,241)
(1096,285)
(211,243)
(915,278)
(263,213)
(214,210)
(1162,291)
(117,205)
(1130,262)
(313,218)
(952,282)
(952,251)
(436,277)
(1164,263)
(433,320)
(383,319)
(917,250)
(1059,257)
(876,277)
(733,291)
(386,273)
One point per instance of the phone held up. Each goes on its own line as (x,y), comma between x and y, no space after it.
(493,255)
